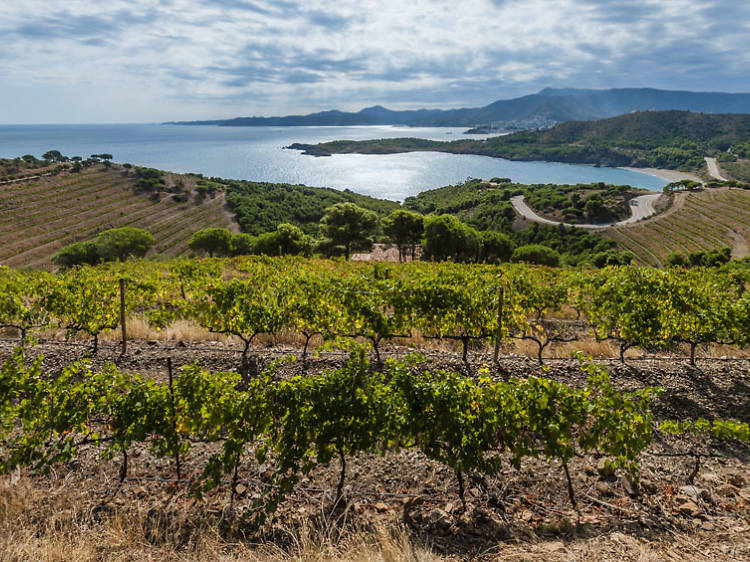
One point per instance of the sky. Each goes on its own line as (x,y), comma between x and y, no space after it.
(84,61)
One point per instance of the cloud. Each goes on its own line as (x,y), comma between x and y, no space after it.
(66,25)
(186,59)
(328,20)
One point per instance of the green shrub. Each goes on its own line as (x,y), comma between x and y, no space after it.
(78,253)
(496,247)
(242,244)
(536,253)
(675,259)
(612,257)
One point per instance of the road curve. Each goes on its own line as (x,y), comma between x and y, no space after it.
(713,169)
(641,207)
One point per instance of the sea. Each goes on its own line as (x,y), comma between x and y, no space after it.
(258,154)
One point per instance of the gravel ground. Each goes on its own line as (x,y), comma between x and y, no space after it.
(709,504)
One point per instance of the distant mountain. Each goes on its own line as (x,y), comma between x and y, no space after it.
(545,108)
(376,115)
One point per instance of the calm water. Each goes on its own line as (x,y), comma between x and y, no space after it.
(255,153)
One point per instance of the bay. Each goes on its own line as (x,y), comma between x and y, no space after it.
(257,153)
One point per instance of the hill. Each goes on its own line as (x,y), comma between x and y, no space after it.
(659,139)
(45,206)
(39,216)
(696,221)
(541,109)
(706,220)
(260,206)
(49,207)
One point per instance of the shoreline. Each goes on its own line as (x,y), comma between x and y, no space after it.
(669,175)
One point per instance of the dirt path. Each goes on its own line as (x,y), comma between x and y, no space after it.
(25,178)
(713,169)
(234,226)
(641,207)
(741,247)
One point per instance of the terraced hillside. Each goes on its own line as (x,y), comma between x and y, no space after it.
(696,221)
(39,216)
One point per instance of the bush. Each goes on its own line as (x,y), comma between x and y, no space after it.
(496,247)
(537,254)
(242,244)
(710,258)
(612,257)
(149,179)
(675,259)
(78,253)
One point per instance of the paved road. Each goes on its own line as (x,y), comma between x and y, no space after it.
(641,207)
(713,169)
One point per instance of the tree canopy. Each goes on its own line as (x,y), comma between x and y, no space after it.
(349,226)
(447,238)
(215,241)
(121,243)
(405,229)
(110,245)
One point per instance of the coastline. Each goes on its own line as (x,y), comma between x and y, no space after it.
(669,175)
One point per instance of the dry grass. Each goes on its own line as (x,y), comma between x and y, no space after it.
(138,328)
(189,331)
(57,519)
(589,346)
(54,520)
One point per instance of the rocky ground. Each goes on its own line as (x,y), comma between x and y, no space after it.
(678,509)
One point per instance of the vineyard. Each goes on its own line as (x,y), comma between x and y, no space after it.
(495,448)
(56,210)
(699,221)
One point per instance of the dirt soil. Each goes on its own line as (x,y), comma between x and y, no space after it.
(679,510)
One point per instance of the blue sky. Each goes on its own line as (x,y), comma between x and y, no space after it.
(79,61)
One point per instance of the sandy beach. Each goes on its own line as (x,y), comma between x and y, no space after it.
(669,175)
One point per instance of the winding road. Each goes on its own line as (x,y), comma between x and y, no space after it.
(641,207)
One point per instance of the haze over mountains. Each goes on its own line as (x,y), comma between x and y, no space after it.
(544,108)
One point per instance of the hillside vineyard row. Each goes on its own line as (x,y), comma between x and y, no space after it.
(245,297)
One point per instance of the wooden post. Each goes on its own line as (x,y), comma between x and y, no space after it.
(122,316)
(174,420)
(499,334)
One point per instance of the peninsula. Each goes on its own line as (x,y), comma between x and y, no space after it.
(645,139)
